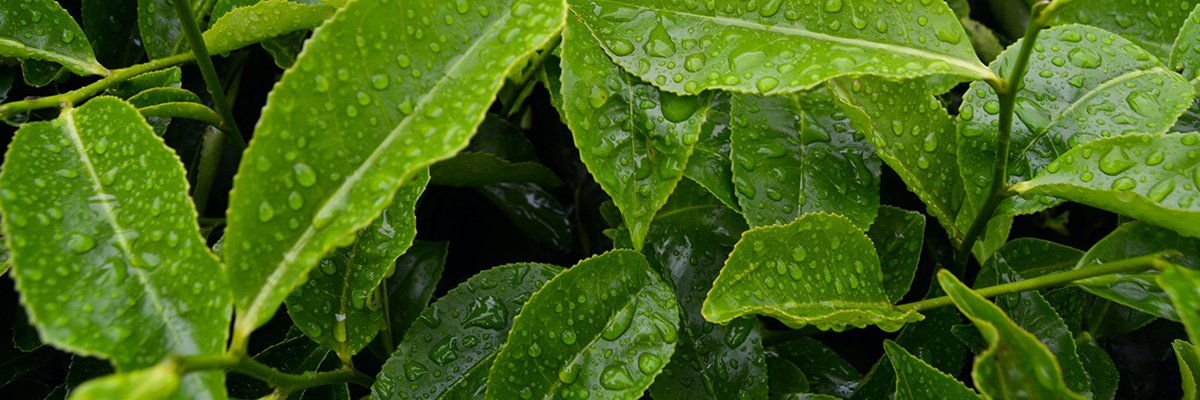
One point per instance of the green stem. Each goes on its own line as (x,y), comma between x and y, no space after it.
(68,99)
(535,63)
(389,343)
(188,20)
(1007,92)
(1137,264)
(283,381)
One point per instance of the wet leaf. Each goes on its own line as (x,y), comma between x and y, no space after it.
(533,210)
(1016,364)
(74,202)
(826,371)
(157,382)
(796,154)
(898,236)
(995,235)
(162,33)
(820,270)
(411,285)
(1148,177)
(244,26)
(111,29)
(1182,285)
(1099,366)
(710,165)
(380,116)
(1139,290)
(479,169)
(778,46)
(1030,258)
(1152,25)
(1075,92)
(1189,367)
(296,354)
(634,139)
(42,30)
(918,380)
(784,376)
(163,78)
(1185,56)
(336,307)
(605,327)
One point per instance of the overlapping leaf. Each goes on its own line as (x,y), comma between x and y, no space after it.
(266,19)
(411,285)
(1185,53)
(820,270)
(795,154)
(778,46)
(42,30)
(710,165)
(110,27)
(1101,370)
(825,370)
(534,210)
(351,122)
(108,256)
(1182,285)
(1138,290)
(634,139)
(479,169)
(917,380)
(161,30)
(898,236)
(1152,25)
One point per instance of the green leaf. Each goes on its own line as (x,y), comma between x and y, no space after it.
(285,48)
(994,235)
(1101,370)
(158,104)
(411,285)
(1015,364)
(192,111)
(918,380)
(170,77)
(499,137)
(159,95)
(1185,56)
(1069,303)
(796,154)
(1152,25)
(1117,319)
(157,382)
(1075,93)
(1189,367)
(1182,285)
(605,327)
(820,270)
(335,308)
(380,116)
(783,376)
(163,288)
(111,30)
(687,244)
(1029,258)
(634,139)
(38,73)
(827,372)
(244,26)
(294,355)
(461,332)
(1148,177)
(42,30)
(533,210)
(479,169)
(162,33)
(898,236)
(913,134)
(779,46)
(710,165)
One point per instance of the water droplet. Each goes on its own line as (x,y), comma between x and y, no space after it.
(1084,57)
(799,254)
(1115,162)
(649,363)
(833,6)
(1124,183)
(265,212)
(620,47)
(380,82)
(569,337)
(614,377)
(80,243)
(304,175)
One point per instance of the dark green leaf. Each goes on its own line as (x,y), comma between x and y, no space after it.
(1100,368)
(898,236)
(826,371)
(1069,302)
(783,376)
(480,169)
(154,383)
(1138,290)
(917,380)
(1116,319)
(710,165)
(1182,285)
(605,327)
(7,76)
(461,332)
(779,46)
(159,95)
(983,39)
(534,210)
(294,355)
(244,26)
(970,337)
(796,154)
(170,77)
(17,363)
(1030,258)
(285,48)
(348,124)
(111,29)
(1189,367)
(411,286)
(1185,54)
(1153,25)
(820,270)
(74,201)
(499,137)
(162,33)
(634,139)
(42,30)
(24,335)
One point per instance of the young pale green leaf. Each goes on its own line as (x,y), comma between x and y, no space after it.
(780,46)
(244,26)
(160,95)
(916,380)
(1152,25)
(1084,84)
(710,165)
(154,383)
(1016,364)
(479,169)
(411,285)
(1139,290)
(350,123)
(161,30)
(1182,285)
(1189,367)
(461,332)
(1101,370)
(163,78)
(796,154)
(634,138)
(688,243)
(42,30)
(192,111)
(335,307)
(111,30)
(605,327)
(820,270)
(1155,178)
(1185,54)
(994,235)
(533,210)
(826,371)
(913,134)
(898,236)
(78,209)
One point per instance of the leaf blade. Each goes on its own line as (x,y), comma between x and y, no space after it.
(23,35)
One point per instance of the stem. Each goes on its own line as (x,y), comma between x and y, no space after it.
(188,20)
(211,148)
(280,380)
(1007,93)
(535,63)
(389,344)
(1156,261)
(68,99)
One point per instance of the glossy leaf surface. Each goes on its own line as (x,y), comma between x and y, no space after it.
(465,329)
(826,371)
(1185,53)
(1075,93)
(587,331)
(1155,178)
(1189,367)
(1152,25)
(478,169)
(110,26)
(161,30)
(74,201)
(245,26)
(42,30)
(170,77)
(533,210)
(1099,366)
(1030,258)
(710,165)
(634,139)
(796,154)
(345,148)
(1015,364)
(411,285)
(1138,290)
(779,46)
(917,380)
(158,382)
(1182,285)
(820,270)
(898,236)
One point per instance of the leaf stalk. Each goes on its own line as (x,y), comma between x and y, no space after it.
(288,383)
(188,20)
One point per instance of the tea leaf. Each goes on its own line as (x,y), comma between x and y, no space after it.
(170,77)
(820,270)
(1101,370)
(411,286)
(533,210)
(479,169)
(162,33)
(796,154)
(1029,258)
(343,135)
(1152,25)
(898,236)
(1138,290)
(74,202)
(1184,55)
(826,371)
(634,139)
(779,46)
(42,30)
(605,327)
(158,382)
(463,331)
(1189,367)
(709,164)
(1181,285)
(918,380)
(244,26)
(784,376)
(111,30)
